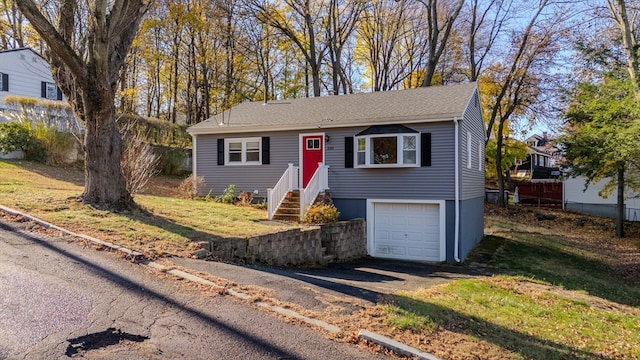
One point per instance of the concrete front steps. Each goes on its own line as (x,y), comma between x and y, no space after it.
(289,210)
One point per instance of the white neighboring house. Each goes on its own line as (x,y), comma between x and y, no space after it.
(577,199)
(24,72)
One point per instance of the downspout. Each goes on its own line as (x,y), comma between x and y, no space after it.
(194,164)
(456,246)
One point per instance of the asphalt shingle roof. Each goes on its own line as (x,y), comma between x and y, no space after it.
(436,103)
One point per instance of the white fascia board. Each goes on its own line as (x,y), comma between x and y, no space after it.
(236,129)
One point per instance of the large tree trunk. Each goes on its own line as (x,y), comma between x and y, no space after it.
(89,81)
(104,183)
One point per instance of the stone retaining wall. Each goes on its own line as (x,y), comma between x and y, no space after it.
(310,246)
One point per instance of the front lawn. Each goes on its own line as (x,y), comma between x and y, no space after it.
(564,292)
(564,288)
(162,225)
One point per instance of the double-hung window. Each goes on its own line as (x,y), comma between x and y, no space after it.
(50,91)
(387,150)
(4,82)
(243,151)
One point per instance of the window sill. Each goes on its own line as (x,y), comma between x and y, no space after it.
(387,166)
(242,164)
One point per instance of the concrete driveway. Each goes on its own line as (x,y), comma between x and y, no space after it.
(365,280)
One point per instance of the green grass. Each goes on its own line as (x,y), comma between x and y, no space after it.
(521,317)
(162,225)
(556,301)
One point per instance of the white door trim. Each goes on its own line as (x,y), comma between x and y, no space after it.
(442,213)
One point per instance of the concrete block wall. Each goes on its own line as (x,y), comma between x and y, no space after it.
(346,240)
(310,246)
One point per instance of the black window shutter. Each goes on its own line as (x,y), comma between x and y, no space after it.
(348,152)
(220,151)
(5,82)
(425,149)
(266,150)
(59,95)
(43,89)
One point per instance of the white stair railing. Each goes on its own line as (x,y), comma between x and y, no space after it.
(319,182)
(288,182)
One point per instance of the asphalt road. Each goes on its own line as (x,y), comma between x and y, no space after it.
(60,300)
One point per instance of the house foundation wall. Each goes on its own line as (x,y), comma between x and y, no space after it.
(344,240)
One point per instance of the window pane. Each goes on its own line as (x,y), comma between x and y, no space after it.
(362,144)
(361,157)
(253,156)
(313,144)
(253,145)
(235,157)
(51,91)
(235,146)
(409,156)
(384,150)
(409,142)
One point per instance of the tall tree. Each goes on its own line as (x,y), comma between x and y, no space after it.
(301,22)
(341,23)
(602,135)
(516,85)
(87,67)
(391,44)
(629,31)
(440,20)
(12,34)
(484,22)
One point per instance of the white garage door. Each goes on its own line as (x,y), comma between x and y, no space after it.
(410,231)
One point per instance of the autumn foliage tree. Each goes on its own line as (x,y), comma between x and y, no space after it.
(88,48)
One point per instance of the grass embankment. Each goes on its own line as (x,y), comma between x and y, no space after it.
(566,291)
(163,225)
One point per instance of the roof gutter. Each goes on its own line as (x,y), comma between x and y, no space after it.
(456,247)
(252,128)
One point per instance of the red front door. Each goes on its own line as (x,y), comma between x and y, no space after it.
(312,154)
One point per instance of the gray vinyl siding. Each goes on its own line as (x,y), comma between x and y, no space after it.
(284,150)
(472,179)
(435,182)
(471,224)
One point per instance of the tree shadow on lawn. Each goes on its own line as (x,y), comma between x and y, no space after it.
(69,174)
(528,346)
(144,216)
(569,270)
(159,185)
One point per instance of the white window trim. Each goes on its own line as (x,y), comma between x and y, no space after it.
(244,142)
(399,151)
